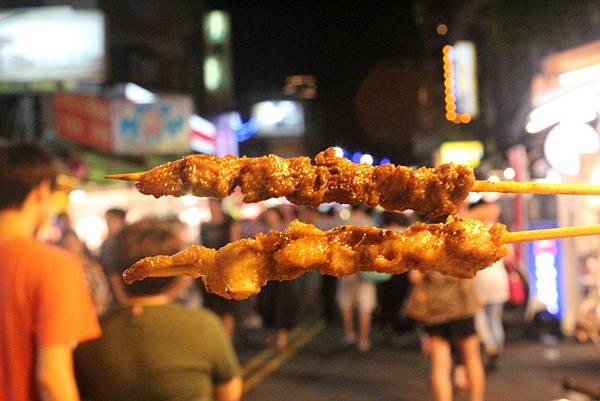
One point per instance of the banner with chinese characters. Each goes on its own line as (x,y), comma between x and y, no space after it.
(123,127)
(84,119)
(158,128)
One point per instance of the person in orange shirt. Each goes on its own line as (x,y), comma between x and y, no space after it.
(45,306)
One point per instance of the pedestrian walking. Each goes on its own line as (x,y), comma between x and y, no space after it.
(45,304)
(446,307)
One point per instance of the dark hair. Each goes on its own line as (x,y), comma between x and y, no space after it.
(367,210)
(479,202)
(116,212)
(390,218)
(137,241)
(23,167)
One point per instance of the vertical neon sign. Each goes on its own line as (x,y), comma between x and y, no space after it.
(545,270)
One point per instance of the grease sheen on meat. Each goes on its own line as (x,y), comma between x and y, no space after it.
(238,270)
(428,191)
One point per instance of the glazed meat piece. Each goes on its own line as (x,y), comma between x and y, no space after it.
(428,191)
(458,247)
(201,175)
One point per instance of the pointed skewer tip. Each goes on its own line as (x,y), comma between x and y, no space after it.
(125,177)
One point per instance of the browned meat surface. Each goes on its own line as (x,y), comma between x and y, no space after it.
(428,191)
(459,248)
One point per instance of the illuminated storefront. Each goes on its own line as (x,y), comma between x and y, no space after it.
(563,121)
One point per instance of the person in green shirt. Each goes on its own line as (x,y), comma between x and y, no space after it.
(151,348)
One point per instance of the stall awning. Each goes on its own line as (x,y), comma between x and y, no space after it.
(567,88)
(546,84)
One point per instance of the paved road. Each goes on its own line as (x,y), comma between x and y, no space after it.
(320,371)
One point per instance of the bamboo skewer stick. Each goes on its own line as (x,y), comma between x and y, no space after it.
(478,186)
(125,177)
(551,233)
(535,188)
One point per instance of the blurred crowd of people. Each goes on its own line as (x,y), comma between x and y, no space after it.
(173,331)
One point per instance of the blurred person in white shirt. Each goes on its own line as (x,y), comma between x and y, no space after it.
(493,289)
(352,291)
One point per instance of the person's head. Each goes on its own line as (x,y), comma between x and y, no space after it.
(63,221)
(71,242)
(216,210)
(395,221)
(361,210)
(487,212)
(273,218)
(289,212)
(27,180)
(115,220)
(137,241)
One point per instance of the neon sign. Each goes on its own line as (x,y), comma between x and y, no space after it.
(545,271)
(359,157)
(460,82)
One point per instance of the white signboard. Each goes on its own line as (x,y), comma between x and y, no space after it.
(279,118)
(51,44)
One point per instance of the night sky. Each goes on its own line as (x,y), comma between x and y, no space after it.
(338,42)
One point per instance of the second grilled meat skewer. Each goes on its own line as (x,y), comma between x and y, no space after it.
(238,270)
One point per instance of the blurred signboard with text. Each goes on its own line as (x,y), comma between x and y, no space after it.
(465,152)
(123,127)
(159,128)
(51,44)
(279,118)
(85,119)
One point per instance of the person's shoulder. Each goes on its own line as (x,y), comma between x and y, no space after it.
(207,315)
(44,254)
(53,255)
(113,312)
(114,319)
(202,316)
(47,260)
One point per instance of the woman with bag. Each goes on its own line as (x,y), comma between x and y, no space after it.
(446,306)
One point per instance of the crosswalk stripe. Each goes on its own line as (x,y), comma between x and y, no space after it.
(278,361)
(266,354)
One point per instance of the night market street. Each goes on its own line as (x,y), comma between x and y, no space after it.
(294,200)
(320,371)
